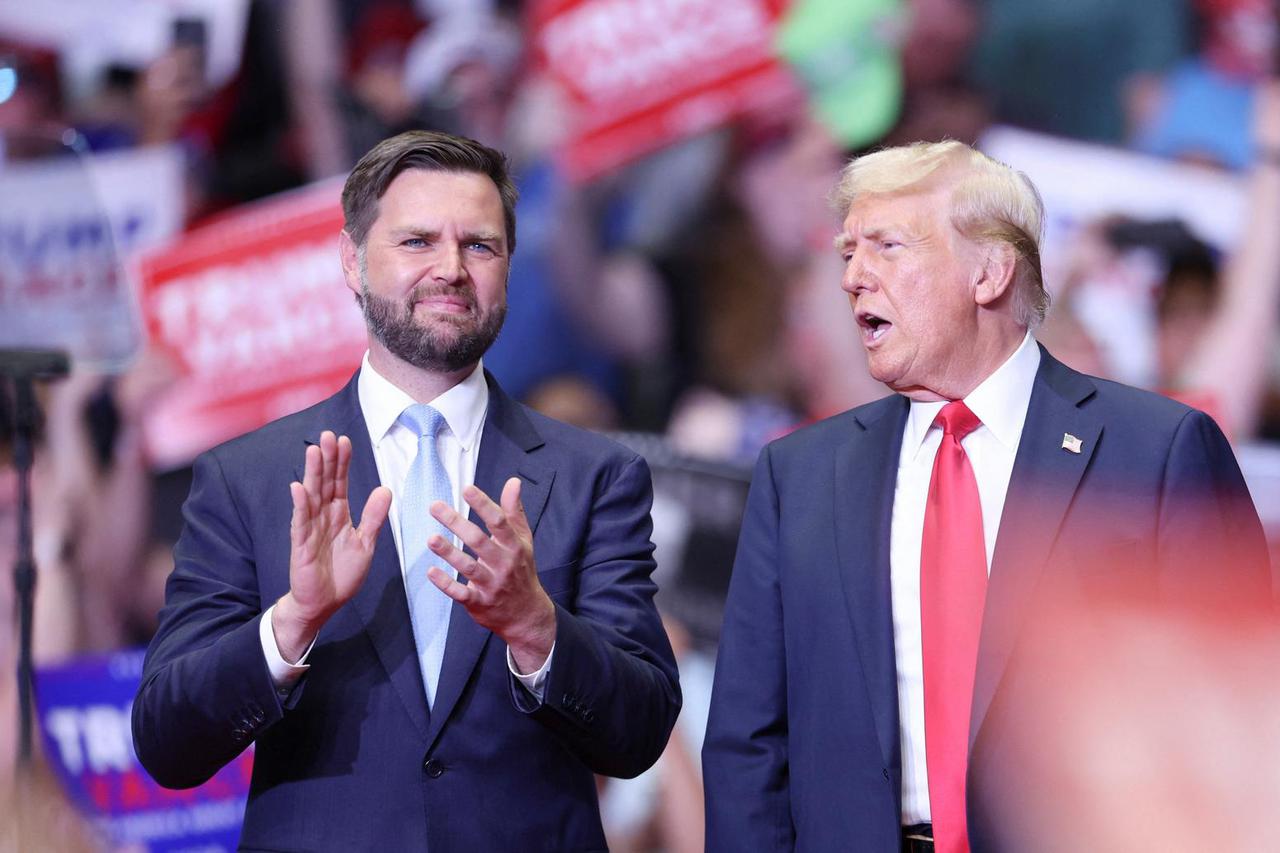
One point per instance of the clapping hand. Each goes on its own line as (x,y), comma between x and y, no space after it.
(329,557)
(502,592)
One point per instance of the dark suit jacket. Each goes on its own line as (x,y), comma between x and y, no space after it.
(803,745)
(352,759)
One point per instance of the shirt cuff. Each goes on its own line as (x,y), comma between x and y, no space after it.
(534,681)
(283,673)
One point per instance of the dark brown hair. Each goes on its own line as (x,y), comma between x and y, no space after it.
(421,149)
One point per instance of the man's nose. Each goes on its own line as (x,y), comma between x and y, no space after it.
(856,278)
(447,266)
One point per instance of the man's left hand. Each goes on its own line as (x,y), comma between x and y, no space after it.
(502,592)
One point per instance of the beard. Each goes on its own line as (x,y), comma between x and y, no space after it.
(445,344)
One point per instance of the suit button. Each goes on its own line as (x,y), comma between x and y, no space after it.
(434,768)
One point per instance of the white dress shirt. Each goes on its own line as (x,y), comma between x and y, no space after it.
(1000,402)
(394,447)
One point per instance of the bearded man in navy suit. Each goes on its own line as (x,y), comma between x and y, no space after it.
(892,557)
(448,668)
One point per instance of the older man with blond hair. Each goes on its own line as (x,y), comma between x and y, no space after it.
(891,557)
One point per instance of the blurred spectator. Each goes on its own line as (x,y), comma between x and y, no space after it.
(1235,354)
(1201,109)
(939,102)
(120,589)
(730,292)
(313,58)
(468,60)
(237,137)
(375,102)
(1164,313)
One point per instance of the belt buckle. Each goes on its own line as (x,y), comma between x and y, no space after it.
(917,839)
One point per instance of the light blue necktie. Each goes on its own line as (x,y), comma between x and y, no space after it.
(429,608)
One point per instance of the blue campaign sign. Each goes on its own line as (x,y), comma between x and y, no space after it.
(84,710)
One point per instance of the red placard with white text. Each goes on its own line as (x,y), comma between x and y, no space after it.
(255,310)
(642,74)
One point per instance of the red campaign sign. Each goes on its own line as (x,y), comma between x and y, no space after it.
(642,74)
(256,312)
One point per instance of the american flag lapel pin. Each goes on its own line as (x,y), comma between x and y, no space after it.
(1070,443)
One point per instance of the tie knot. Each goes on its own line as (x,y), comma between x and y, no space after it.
(422,419)
(956,419)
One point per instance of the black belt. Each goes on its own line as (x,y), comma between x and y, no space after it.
(917,838)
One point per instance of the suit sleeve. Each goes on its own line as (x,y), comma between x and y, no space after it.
(206,691)
(1210,539)
(612,693)
(744,758)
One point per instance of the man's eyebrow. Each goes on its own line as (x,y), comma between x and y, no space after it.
(898,233)
(845,240)
(415,231)
(482,236)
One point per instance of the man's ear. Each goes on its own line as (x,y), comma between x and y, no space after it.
(995,276)
(350,257)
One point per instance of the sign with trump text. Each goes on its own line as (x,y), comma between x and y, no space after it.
(67,225)
(642,74)
(84,706)
(256,313)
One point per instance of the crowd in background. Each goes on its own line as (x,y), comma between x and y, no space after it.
(693,293)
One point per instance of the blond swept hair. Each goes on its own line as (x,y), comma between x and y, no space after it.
(990,202)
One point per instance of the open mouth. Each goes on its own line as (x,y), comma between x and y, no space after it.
(873,326)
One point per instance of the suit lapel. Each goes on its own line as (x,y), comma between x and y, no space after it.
(380,603)
(1044,481)
(505,448)
(865,477)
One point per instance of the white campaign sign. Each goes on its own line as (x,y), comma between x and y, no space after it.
(68,227)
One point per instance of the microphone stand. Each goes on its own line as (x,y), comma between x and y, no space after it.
(22,367)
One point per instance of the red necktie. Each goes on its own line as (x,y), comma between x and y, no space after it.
(953,584)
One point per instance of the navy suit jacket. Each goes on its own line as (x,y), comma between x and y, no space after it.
(803,745)
(352,759)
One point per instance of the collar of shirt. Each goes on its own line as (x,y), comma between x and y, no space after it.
(463,406)
(999,401)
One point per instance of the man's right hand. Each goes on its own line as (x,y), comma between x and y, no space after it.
(328,558)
